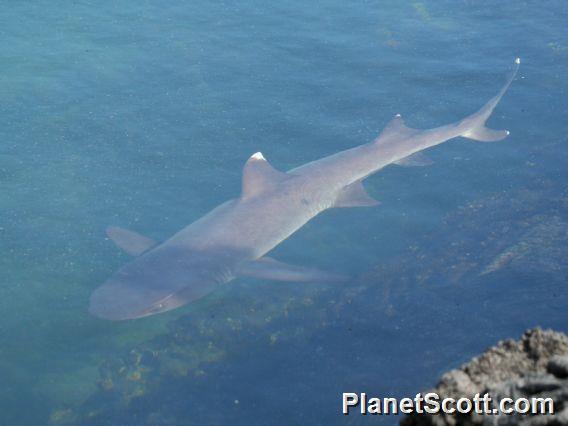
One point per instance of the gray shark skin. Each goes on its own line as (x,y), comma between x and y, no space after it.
(232,240)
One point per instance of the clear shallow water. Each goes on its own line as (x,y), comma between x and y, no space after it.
(142,115)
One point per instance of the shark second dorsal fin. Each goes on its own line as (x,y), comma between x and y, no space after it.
(259,176)
(396,130)
(129,241)
(355,195)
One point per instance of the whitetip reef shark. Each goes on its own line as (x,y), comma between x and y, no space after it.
(233,239)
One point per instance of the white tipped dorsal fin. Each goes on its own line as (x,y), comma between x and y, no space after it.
(259,176)
(396,130)
(257,156)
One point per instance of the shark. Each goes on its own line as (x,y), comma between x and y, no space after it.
(234,238)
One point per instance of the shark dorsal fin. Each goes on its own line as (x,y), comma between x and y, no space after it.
(396,130)
(259,176)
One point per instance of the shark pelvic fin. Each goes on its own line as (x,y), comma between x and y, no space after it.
(417,159)
(355,195)
(259,176)
(271,269)
(129,241)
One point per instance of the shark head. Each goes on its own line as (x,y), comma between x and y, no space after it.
(158,281)
(121,298)
(118,300)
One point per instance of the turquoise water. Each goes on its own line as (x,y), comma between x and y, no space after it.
(141,114)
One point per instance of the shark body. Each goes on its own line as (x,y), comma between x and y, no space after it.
(232,239)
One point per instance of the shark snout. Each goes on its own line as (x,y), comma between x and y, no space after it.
(117,300)
(111,303)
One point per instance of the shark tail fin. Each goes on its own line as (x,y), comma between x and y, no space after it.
(475,123)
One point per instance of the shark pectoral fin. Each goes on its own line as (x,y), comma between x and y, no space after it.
(417,159)
(131,242)
(259,176)
(355,195)
(271,269)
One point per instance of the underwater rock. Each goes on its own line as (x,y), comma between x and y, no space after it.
(534,366)
(520,236)
(498,234)
(536,249)
(558,365)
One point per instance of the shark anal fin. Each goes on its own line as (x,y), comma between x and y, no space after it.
(417,159)
(355,195)
(271,269)
(259,176)
(129,241)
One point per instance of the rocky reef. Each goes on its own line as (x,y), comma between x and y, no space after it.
(534,366)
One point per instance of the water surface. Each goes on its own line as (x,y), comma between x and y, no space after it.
(141,114)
